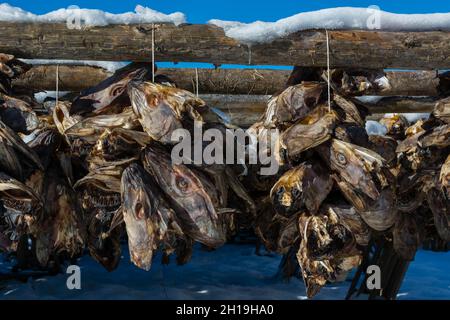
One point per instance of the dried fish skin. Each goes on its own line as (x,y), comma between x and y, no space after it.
(396,125)
(91,128)
(145,213)
(352,113)
(110,95)
(103,241)
(442,110)
(61,227)
(18,115)
(192,196)
(301,137)
(306,185)
(357,166)
(161,109)
(385,146)
(380,214)
(327,248)
(444,177)
(405,236)
(294,103)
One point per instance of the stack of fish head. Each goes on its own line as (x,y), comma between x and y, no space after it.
(193,197)
(162,109)
(60,230)
(110,95)
(358,82)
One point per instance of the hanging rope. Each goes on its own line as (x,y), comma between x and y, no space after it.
(153,52)
(57,83)
(328,71)
(196,81)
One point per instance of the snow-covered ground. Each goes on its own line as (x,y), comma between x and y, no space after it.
(231,272)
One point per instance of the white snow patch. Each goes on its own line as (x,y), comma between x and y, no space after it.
(333,18)
(111,66)
(411,117)
(375,128)
(369,99)
(90,17)
(41,96)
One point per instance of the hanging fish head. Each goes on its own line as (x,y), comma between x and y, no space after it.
(111,94)
(145,214)
(191,194)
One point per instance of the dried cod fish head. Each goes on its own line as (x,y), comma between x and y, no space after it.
(117,144)
(359,81)
(379,213)
(14,153)
(192,196)
(385,146)
(62,117)
(442,110)
(18,197)
(357,166)
(146,215)
(161,109)
(308,133)
(294,103)
(306,185)
(18,115)
(61,227)
(103,238)
(327,249)
(396,125)
(110,95)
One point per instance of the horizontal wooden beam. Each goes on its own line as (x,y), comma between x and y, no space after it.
(244,110)
(219,81)
(207,43)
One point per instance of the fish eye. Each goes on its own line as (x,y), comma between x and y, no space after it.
(341,158)
(280,191)
(139,211)
(295,192)
(182,184)
(117,91)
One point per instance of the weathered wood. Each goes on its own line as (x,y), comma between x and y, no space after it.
(244,110)
(71,78)
(207,43)
(220,81)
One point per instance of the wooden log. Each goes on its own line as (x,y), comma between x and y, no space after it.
(207,43)
(71,78)
(222,81)
(244,110)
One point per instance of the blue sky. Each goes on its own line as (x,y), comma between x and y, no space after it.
(200,11)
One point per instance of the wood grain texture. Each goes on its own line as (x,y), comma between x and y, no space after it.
(207,43)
